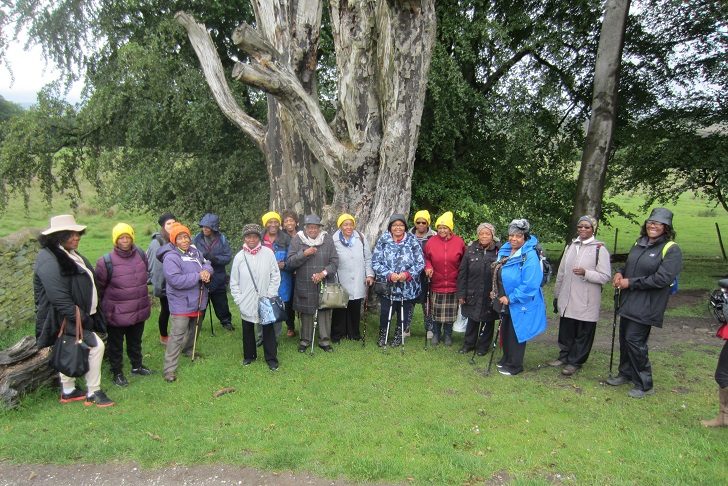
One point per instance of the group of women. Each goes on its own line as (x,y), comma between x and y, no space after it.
(488,281)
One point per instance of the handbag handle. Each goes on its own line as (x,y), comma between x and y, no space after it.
(79,324)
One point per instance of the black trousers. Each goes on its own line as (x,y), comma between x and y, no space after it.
(513,351)
(483,340)
(575,340)
(721,372)
(634,362)
(270,346)
(345,322)
(219,302)
(290,315)
(399,309)
(163,316)
(115,346)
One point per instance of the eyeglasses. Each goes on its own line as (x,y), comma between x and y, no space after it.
(420,222)
(654,223)
(583,226)
(397,226)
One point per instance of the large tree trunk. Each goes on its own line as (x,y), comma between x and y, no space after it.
(598,146)
(383,51)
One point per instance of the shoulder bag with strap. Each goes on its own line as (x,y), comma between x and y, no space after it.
(270,309)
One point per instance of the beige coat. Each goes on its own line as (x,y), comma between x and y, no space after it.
(580,297)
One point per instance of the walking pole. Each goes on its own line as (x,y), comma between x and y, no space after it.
(614,328)
(197,321)
(313,333)
(495,341)
(477,339)
(389,320)
(212,329)
(366,306)
(401,316)
(427,312)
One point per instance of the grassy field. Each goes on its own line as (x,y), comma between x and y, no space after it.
(422,416)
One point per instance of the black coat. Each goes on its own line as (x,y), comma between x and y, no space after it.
(650,276)
(306,293)
(59,285)
(475,281)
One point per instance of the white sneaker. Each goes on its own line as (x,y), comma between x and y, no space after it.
(504,372)
(406,333)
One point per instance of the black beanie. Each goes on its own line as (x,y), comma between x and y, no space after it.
(165,217)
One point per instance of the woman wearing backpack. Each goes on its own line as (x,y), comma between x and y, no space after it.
(517,286)
(583,270)
(644,282)
(122,280)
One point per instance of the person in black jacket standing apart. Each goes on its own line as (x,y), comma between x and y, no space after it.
(644,285)
(475,280)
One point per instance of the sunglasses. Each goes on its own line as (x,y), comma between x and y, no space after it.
(420,222)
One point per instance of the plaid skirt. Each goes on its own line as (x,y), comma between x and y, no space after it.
(444,307)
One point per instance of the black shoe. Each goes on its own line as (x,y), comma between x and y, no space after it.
(448,340)
(618,380)
(227,325)
(327,348)
(99,399)
(141,371)
(273,367)
(120,380)
(302,348)
(76,395)
(481,353)
(464,350)
(247,362)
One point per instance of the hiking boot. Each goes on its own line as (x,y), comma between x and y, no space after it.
(291,333)
(163,340)
(141,371)
(247,362)
(482,352)
(170,377)
(637,393)
(228,325)
(464,350)
(326,348)
(618,380)
(556,363)
(273,367)
(76,395)
(382,336)
(120,380)
(448,340)
(99,399)
(569,370)
(302,348)
(722,419)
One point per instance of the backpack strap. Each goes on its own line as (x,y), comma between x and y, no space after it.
(666,247)
(599,248)
(109,267)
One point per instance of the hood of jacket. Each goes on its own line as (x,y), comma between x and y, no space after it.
(212,221)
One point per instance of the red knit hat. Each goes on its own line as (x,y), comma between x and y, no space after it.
(177,229)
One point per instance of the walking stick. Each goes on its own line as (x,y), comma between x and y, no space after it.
(313,333)
(477,339)
(614,328)
(389,320)
(212,329)
(366,306)
(427,312)
(197,321)
(495,341)
(401,316)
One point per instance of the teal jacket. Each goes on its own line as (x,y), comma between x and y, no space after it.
(521,278)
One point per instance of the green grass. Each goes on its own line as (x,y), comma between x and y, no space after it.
(365,415)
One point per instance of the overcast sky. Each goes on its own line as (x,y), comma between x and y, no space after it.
(31,74)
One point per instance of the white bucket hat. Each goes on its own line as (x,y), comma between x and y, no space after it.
(64,222)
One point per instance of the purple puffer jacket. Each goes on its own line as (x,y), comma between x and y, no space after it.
(125,298)
(182,274)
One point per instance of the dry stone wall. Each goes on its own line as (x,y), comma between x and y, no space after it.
(17,255)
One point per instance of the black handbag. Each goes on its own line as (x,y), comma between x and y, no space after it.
(70,354)
(270,309)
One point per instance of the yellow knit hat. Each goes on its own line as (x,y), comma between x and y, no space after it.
(445,220)
(423,214)
(122,229)
(271,215)
(343,218)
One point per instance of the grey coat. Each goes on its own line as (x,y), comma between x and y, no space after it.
(355,264)
(580,297)
(650,276)
(306,293)
(155,272)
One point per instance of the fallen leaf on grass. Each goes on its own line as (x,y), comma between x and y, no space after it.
(32,476)
(223,391)
(153,436)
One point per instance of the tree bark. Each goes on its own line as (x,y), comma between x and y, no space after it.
(383,51)
(598,145)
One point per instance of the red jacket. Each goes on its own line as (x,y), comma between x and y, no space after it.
(443,256)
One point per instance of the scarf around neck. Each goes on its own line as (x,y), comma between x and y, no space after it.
(312,242)
(252,251)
